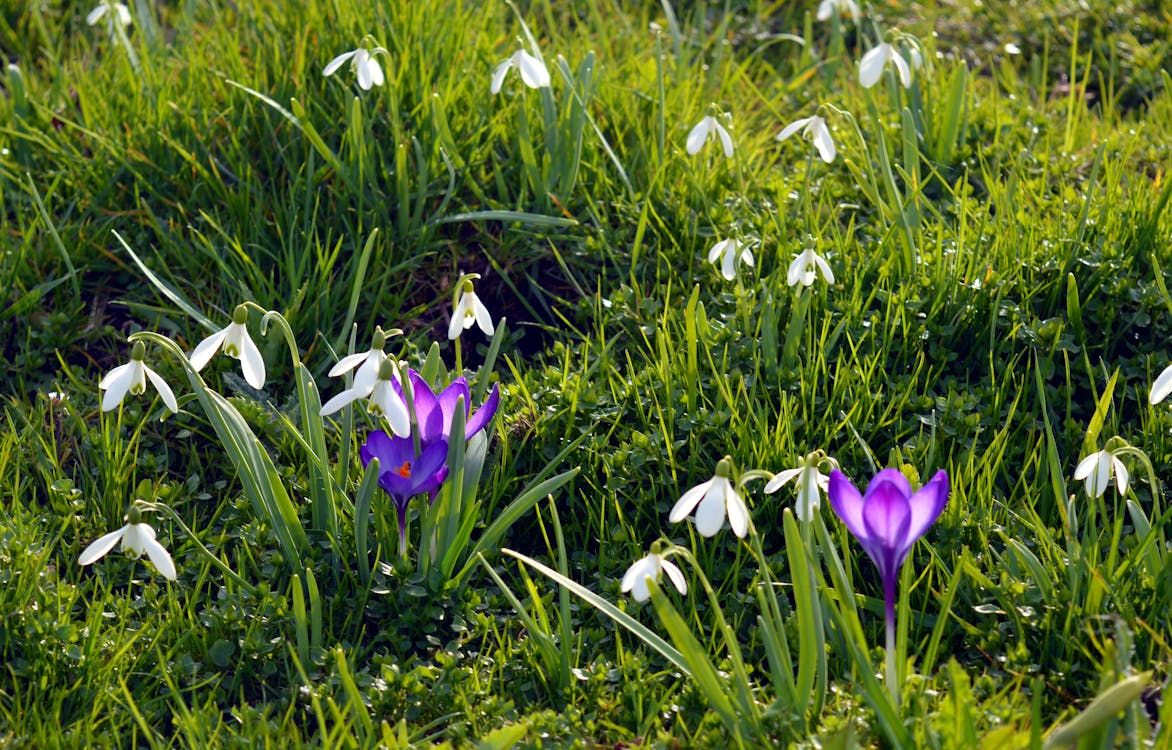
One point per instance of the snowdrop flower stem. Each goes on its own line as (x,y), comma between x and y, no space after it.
(223,567)
(272,316)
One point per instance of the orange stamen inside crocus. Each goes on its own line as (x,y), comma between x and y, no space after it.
(405,470)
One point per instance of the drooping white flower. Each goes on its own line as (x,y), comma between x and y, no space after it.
(1097,468)
(367,362)
(703,131)
(236,343)
(131,378)
(114,13)
(533,71)
(727,253)
(137,539)
(827,8)
(365,66)
(649,568)
(1162,387)
(813,128)
(804,268)
(875,61)
(382,399)
(809,483)
(712,501)
(468,310)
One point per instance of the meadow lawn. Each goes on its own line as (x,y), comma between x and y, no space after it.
(904,265)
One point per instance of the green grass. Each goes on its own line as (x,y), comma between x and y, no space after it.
(999,239)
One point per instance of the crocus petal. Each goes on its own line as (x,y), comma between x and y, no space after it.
(926,505)
(738,512)
(793,127)
(533,71)
(498,78)
(711,510)
(333,65)
(252,363)
(206,349)
(448,399)
(699,135)
(781,479)
(379,446)
(484,414)
(161,559)
(871,66)
(847,503)
(887,517)
(116,383)
(725,139)
(676,576)
(1162,387)
(824,143)
(101,546)
(688,501)
(428,409)
(163,389)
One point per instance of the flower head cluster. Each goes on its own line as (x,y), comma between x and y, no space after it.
(114,13)
(363,63)
(137,539)
(804,269)
(533,72)
(828,8)
(712,501)
(1096,470)
(875,61)
(132,378)
(889,518)
(703,131)
(382,395)
(727,253)
(814,128)
(236,343)
(808,480)
(650,568)
(469,310)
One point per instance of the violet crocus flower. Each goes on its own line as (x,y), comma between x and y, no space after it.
(887,521)
(434,413)
(402,474)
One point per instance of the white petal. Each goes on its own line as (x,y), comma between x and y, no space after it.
(533,71)
(676,576)
(825,10)
(348,363)
(688,501)
(99,548)
(781,479)
(715,251)
(459,316)
(375,70)
(725,139)
(637,575)
(363,69)
(498,76)
(392,407)
(206,349)
(738,513)
(1083,470)
(116,387)
(344,398)
(113,375)
(1121,475)
(824,267)
(699,134)
(747,257)
(1162,387)
(135,539)
(710,511)
(123,14)
(483,319)
(905,73)
(824,143)
(808,499)
(251,362)
(793,127)
(1102,477)
(871,66)
(333,65)
(161,558)
(728,267)
(793,274)
(94,16)
(164,390)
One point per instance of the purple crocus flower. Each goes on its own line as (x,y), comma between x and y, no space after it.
(403,475)
(887,521)
(434,413)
